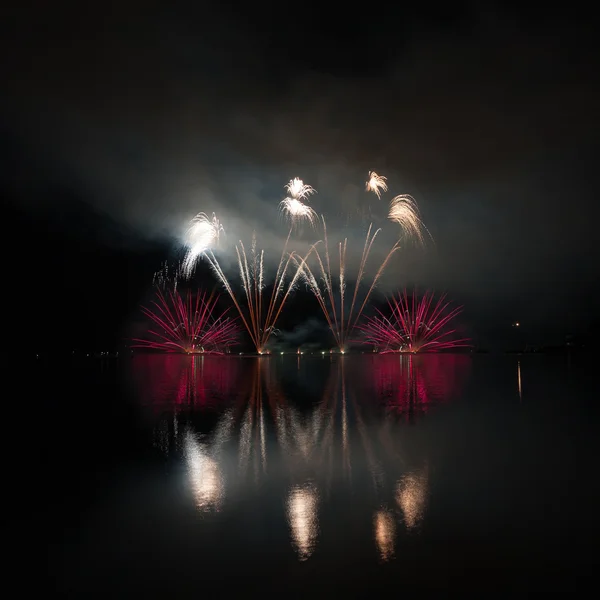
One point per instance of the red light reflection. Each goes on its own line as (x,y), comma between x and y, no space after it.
(185,380)
(410,384)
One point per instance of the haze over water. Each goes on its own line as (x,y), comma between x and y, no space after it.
(175,476)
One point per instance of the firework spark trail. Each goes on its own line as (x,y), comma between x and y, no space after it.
(414,325)
(405,212)
(376,184)
(167,276)
(201,236)
(294,207)
(186,324)
(260,315)
(341,325)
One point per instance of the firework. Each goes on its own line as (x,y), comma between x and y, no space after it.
(376,184)
(414,325)
(340,321)
(293,206)
(167,276)
(258,309)
(405,212)
(185,323)
(202,235)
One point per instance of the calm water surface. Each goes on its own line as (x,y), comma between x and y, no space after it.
(175,476)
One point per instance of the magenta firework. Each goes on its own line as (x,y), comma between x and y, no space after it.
(414,324)
(185,322)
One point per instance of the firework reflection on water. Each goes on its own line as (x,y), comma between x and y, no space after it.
(205,478)
(384,524)
(411,496)
(302,514)
(264,442)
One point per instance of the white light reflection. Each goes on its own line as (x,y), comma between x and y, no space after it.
(222,433)
(245,441)
(301,435)
(345,437)
(385,533)
(263,440)
(303,518)
(411,495)
(205,479)
(519,379)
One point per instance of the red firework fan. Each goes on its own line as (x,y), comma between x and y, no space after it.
(185,323)
(414,325)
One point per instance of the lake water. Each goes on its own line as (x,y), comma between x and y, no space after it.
(177,476)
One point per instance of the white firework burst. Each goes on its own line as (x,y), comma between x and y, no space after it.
(376,184)
(293,206)
(202,235)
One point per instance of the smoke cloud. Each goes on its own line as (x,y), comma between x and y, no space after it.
(150,118)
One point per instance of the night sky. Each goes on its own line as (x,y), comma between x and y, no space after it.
(119,123)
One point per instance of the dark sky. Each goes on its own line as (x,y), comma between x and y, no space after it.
(120,122)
